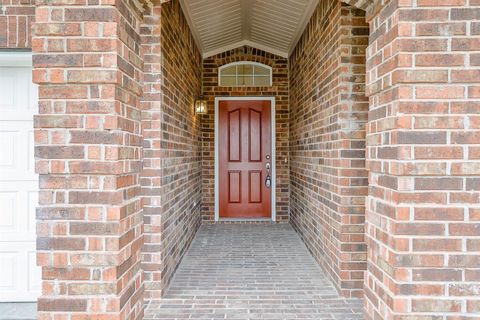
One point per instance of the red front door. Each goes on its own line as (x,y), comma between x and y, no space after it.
(245,159)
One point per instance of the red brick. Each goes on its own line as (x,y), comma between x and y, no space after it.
(439,60)
(437,92)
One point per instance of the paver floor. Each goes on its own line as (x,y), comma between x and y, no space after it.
(251,271)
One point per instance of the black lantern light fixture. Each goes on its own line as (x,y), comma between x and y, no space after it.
(201,105)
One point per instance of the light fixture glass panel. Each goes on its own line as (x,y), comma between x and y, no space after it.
(201,106)
(262,81)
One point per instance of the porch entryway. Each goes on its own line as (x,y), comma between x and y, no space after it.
(251,271)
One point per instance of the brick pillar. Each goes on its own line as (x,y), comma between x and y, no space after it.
(88,148)
(151,175)
(423,211)
(349,249)
(171,179)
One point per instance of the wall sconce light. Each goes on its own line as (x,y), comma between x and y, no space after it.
(201,105)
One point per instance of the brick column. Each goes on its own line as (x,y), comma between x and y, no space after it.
(88,148)
(423,221)
(171,179)
(151,175)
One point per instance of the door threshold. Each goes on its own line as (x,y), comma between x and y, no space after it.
(240,220)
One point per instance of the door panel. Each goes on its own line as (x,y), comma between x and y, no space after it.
(244,146)
(234,186)
(234,137)
(255,186)
(19,274)
(255,135)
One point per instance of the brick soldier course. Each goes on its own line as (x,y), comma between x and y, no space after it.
(377,114)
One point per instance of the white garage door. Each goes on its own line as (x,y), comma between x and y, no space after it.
(19,275)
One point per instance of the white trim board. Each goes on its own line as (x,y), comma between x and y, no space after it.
(274,153)
(15,59)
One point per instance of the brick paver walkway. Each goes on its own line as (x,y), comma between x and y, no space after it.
(251,271)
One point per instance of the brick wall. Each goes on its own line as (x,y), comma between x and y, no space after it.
(279,90)
(16,20)
(328,112)
(423,221)
(88,155)
(172,160)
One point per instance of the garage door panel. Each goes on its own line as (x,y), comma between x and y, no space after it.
(8,261)
(31,152)
(8,203)
(20,277)
(7,83)
(19,274)
(18,200)
(18,100)
(8,140)
(32,196)
(35,272)
(17,162)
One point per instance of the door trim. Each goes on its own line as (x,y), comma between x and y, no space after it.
(274,155)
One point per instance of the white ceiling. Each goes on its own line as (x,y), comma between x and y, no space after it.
(270,25)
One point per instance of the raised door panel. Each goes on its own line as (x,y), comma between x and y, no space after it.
(234,186)
(17,156)
(255,135)
(234,136)
(255,186)
(18,95)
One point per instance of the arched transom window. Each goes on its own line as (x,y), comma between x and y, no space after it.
(245,73)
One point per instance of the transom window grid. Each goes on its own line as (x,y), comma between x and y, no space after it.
(245,74)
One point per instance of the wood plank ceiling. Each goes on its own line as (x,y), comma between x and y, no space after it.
(271,25)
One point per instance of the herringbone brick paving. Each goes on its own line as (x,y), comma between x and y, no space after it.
(251,271)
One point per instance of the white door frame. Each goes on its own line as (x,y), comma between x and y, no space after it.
(273,154)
